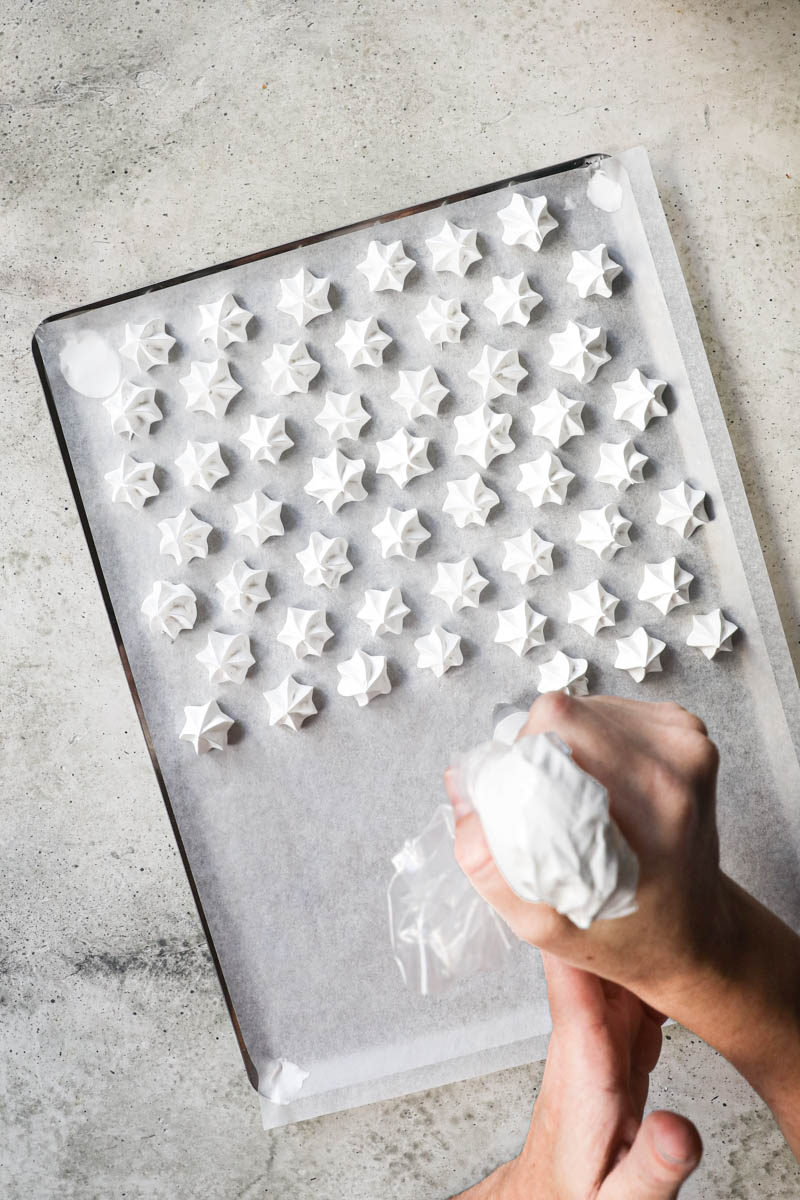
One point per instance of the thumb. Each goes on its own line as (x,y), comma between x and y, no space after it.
(666,1150)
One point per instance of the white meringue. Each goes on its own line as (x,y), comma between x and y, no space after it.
(201,465)
(226,657)
(453,249)
(363,343)
(400,533)
(258,518)
(483,434)
(304,297)
(209,387)
(682,509)
(132,409)
(223,322)
(603,530)
(564,674)
(498,372)
(459,584)
(520,628)
(469,501)
(621,465)
(132,482)
(170,607)
(579,350)
(324,561)
(438,651)
(528,556)
(639,654)
(342,416)
(383,611)
(336,480)
(638,399)
(711,632)
(147,345)
(403,457)
(665,585)
(243,589)
(266,438)
(442,320)
(305,631)
(386,266)
(592,608)
(290,368)
(419,393)
(364,676)
(557,418)
(206,727)
(545,480)
(184,536)
(593,272)
(512,300)
(290,703)
(526,221)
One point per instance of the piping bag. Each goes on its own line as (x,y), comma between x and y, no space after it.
(549,830)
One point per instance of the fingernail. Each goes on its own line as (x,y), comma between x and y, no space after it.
(671,1159)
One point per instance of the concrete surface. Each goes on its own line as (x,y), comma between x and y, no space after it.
(147,137)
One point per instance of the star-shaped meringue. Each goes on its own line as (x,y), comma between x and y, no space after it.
(438,651)
(383,611)
(226,657)
(258,518)
(469,501)
(453,249)
(419,393)
(169,608)
(342,416)
(682,509)
(364,676)
(545,480)
(243,589)
(400,533)
(711,632)
(498,372)
(336,480)
(520,628)
(592,608)
(528,556)
(266,438)
(223,322)
(132,482)
(201,465)
(603,530)
(512,300)
(304,297)
(639,654)
(363,343)
(557,418)
(132,409)
(305,631)
(386,266)
(620,465)
(290,368)
(324,561)
(593,272)
(403,457)
(526,221)
(483,434)
(564,674)
(579,350)
(290,703)
(665,585)
(442,320)
(184,536)
(147,345)
(209,387)
(459,584)
(206,727)
(638,399)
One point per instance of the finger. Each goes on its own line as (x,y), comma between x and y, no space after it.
(664,1153)
(573,995)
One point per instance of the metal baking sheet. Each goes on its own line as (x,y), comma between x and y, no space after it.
(287,839)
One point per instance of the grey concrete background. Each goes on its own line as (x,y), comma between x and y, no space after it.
(147,137)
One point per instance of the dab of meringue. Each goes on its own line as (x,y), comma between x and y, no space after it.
(223,322)
(363,343)
(639,654)
(304,297)
(592,608)
(290,368)
(184,536)
(342,416)
(305,631)
(403,457)
(132,482)
(290,703)
(557,418)
(603,530)
(512,299)
(564,674)
(209,387)
(132,409)
(442,320)
(170,607)
(266,438)
(459,584)
(682,508)
(621,465)
(258,518)
(528,556)
(383,611)
(147,346)
(469,501)
(206,727)
(526,221)
(201,465)
(544,480)
(400,533)
(711,632)
(453,249)
(579,350)
(665,585)
(593,272)
(483,434)
(638,399)
(385,267)
(243,589)
(324,561)
(498,372)
(419,393)
(364,676)
(438,651)
(226,657)
(520,628)
(336,480)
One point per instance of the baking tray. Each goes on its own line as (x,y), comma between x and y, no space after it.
(289,878)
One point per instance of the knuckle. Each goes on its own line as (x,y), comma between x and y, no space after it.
(551,709)
(687,720)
